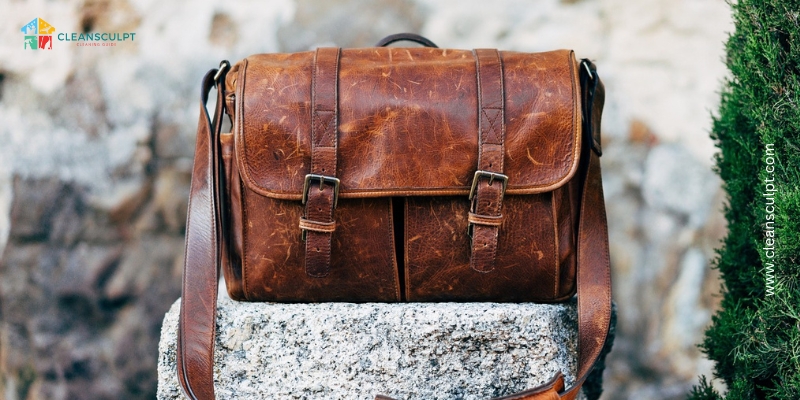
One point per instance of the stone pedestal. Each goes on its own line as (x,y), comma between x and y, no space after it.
(355,351)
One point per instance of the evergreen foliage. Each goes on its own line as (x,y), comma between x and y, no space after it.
(755,336)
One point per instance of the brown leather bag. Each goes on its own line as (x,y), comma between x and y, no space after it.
(398,174)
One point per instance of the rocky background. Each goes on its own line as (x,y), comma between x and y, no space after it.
(96,146)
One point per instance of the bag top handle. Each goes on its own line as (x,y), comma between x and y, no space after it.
(410,37)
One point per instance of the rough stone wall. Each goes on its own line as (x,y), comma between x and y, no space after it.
(96,146)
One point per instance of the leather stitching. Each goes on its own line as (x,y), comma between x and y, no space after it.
(322,122)
(554,203)
(245,231)
(492,133)
(245,241)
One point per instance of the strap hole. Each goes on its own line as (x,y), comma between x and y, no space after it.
(317,249)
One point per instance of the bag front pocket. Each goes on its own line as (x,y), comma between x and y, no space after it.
(528,266)
(363,261)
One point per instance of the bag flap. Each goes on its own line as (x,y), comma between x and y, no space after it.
(408,121)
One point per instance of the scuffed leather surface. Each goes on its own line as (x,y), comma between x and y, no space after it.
(395,139)
(362,266)
(527,266)
(410,121)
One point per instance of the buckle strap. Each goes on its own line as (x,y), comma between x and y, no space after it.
(485,194)
(320,202)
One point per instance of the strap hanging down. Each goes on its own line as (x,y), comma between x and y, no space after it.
(489,183)
(594,286)
(321,188)
(196,327)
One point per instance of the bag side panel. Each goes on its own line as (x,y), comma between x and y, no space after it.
(566,229)
(231,246)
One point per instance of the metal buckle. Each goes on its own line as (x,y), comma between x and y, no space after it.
(492,177)
(322,180)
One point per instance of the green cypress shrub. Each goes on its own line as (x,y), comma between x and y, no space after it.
(755,336)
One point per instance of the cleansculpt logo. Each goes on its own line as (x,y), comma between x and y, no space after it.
(96,39)
(38,35)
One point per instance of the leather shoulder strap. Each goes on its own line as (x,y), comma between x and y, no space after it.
(594,287)
(197,321)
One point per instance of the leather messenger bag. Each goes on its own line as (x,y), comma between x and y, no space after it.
(392,174)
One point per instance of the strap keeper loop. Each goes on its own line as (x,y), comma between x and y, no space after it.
(316,226)
(489,220)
